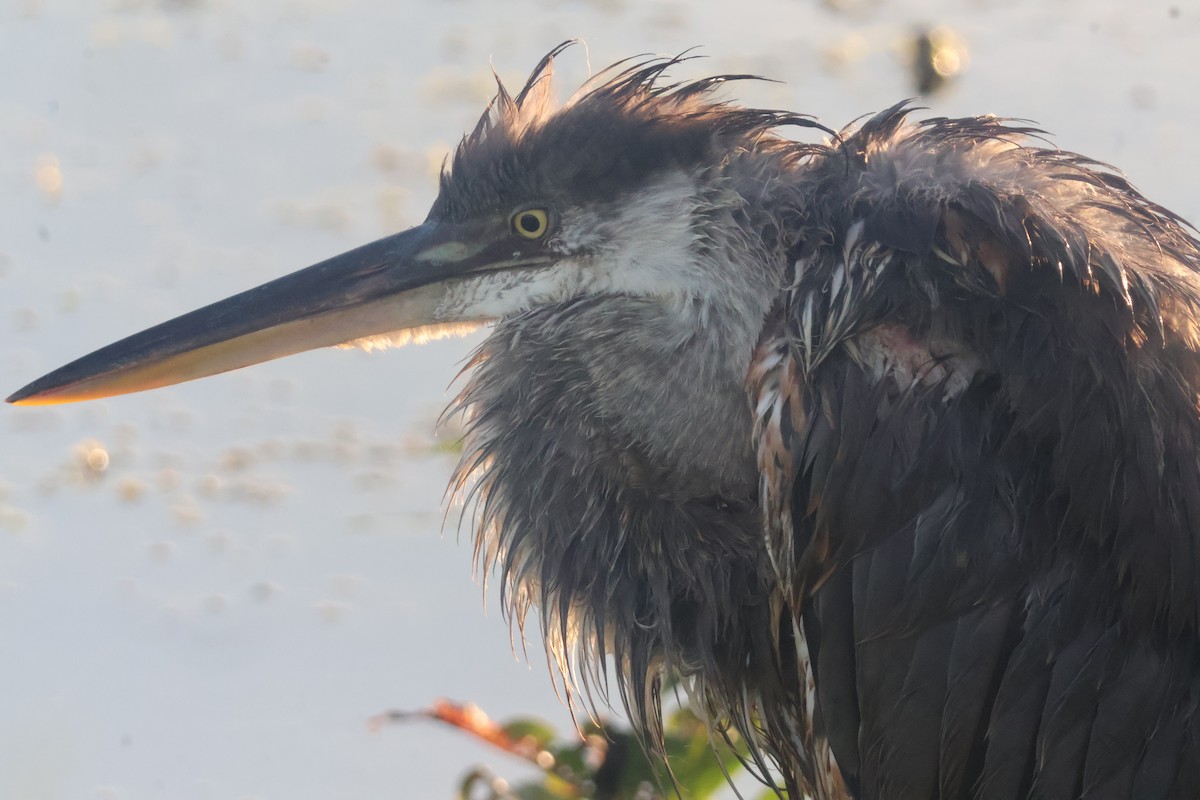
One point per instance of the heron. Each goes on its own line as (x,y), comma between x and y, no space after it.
(886,445)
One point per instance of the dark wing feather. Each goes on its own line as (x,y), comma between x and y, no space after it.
(982,643)
(978,437)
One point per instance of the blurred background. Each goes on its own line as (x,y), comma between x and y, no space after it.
(208,591)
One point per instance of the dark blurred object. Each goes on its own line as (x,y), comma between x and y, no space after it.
(939,55)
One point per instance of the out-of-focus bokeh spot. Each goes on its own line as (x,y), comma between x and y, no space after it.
(13,520)
(262,591)
(131,489)
(47,174)
(24,319)
(91,460)
(309,57)
(939,55)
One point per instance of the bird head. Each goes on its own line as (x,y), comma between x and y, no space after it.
(616,192)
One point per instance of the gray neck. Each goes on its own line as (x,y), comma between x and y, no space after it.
(660,379)
(644,381)
(609,450)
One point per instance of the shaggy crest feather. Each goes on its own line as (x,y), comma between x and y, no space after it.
(622,128)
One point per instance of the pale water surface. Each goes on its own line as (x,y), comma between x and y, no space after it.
(206,591)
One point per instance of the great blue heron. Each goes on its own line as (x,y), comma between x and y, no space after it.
(887,445)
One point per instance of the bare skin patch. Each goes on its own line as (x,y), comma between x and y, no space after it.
(892,351)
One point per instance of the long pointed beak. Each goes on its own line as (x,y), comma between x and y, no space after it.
(390,285)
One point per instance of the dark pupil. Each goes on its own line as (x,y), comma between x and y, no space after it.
(530,223)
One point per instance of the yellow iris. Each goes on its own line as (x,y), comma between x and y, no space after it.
(531,223)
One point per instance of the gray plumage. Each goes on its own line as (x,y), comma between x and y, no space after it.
(971,426)
(886,446)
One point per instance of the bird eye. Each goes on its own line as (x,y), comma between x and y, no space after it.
(531,223)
